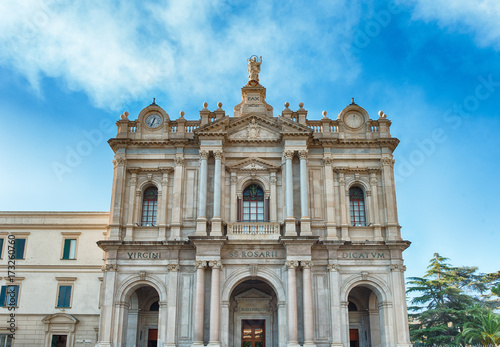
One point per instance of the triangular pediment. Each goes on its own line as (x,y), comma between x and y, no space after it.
(289,127)
(218,127)
(252,294)
(253,164)
(254,128)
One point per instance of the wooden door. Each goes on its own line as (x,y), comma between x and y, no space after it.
(353,337)
(253,333)
(152,337)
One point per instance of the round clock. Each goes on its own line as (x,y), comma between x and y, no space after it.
(353,120)
(154,120)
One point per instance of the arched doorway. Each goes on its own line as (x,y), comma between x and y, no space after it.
(142,319)
(253,315)
(364,318)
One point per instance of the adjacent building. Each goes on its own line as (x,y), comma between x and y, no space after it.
(249,229)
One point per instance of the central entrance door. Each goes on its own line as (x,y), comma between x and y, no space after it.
(253,333)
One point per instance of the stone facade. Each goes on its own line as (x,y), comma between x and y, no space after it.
(243,230)
(301,268)
(42,269)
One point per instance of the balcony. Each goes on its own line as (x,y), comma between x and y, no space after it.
(253,231)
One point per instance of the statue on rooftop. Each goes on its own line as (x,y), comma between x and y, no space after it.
(254,68)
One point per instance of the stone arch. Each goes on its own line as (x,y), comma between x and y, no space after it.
(377,285)
(258,179)
(264,275)
(145,184)
(132,283)
(360,182)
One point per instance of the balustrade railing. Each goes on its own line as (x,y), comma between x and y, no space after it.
(253,228)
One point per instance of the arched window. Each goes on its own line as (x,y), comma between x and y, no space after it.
(357,203)
(149,207)
(253,204)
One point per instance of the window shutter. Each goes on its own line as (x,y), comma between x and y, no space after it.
(19,248)
(67,247)
(16,291)
(1,247)
(2,296)
(60,296)
(67,296)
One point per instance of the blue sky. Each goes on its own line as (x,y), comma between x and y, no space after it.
(69,69)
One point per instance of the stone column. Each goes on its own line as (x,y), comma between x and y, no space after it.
(307,304)
(199,303)
(201,226)
(216,220)
(376,212)
(331,228)
(273,198)
(120,331)
(162,323)
(344,314)
(344,208)
(175,226)
(106,317)
(335,302)
(173,278)
(293,339)
(215,304)
(387,326)
(131,207)
(162,207)
(289,217)
(401,318)
(305,220)
(119,174)
(390,199)
(234,198)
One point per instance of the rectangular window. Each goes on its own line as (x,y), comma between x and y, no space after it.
(64,296)
(19,245)
(5,340)
(1,256)
(59,340)
(9,296)
(69,249)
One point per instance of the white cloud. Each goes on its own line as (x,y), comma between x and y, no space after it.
(480,17)
(118,53)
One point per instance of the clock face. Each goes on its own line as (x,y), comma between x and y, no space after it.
(354,120)
(153,120)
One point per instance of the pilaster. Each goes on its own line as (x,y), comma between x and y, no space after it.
(201,222)
(175,226)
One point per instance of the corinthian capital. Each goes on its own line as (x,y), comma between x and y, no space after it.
(288,154)
(215,264)
(179,161)
(200,264)
(387,161)
(303,154)
(204,155)
(218,155)
(306,264)
(292,264)
(120,161)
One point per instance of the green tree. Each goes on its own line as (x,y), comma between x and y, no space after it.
(441,305)
(483,328)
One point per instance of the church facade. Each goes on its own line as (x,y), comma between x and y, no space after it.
(253,229)
(245,230)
